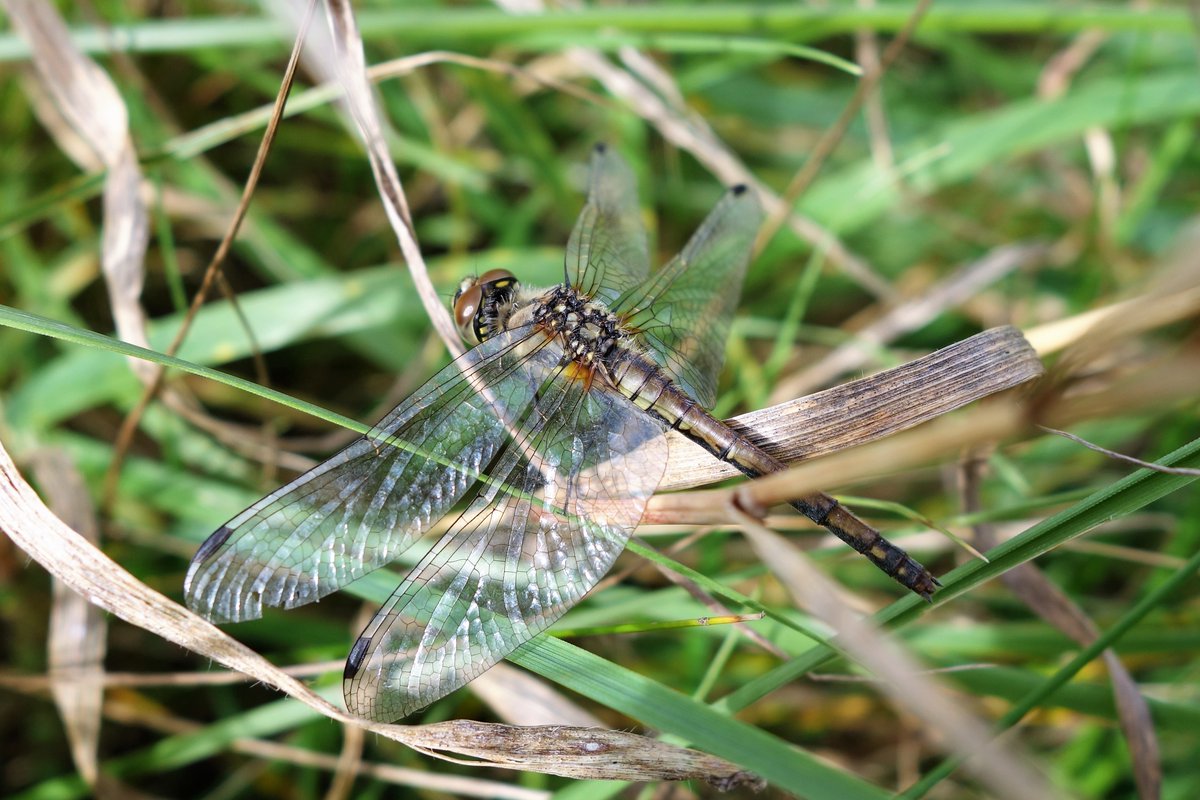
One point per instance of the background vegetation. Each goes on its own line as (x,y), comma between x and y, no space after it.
(1059,126)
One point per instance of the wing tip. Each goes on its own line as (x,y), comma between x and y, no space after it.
(739,189)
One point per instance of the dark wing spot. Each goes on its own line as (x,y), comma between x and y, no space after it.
(212,544)
(354,660)
(601,148)
(740,189)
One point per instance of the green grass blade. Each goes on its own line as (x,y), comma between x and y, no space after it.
(1121,498)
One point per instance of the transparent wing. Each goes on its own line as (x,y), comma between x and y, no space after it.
(684,310)
(568,491)
(364,506)
(607,253)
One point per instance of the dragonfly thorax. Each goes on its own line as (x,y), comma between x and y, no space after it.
(588,331)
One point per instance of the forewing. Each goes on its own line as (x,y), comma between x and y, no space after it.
(607,253)
(566,494)
(364,506)
(685,309)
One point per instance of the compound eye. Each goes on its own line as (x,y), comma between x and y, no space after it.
(466,306)
(500,278)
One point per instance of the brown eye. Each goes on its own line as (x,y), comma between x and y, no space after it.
(497,276)
(480,303)
(466,305)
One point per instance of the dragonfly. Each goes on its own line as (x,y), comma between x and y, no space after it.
(542,445)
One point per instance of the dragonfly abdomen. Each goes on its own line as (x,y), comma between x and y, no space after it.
(643,382)
(646,386)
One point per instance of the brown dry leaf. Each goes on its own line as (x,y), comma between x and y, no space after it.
(590,752)
(132,713)
(1044,598)
(78,630)
(1138,726)
(1176,379)
(998,767)
(870,408)
(92,107)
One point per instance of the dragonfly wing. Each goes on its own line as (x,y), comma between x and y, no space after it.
(684,310)
(607,253)
(364,506)
(566,493)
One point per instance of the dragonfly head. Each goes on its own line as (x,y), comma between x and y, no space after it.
(482,304)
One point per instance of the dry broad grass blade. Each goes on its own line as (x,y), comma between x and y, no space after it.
(78,629)
(92,106)
(870,408)
(595,753)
